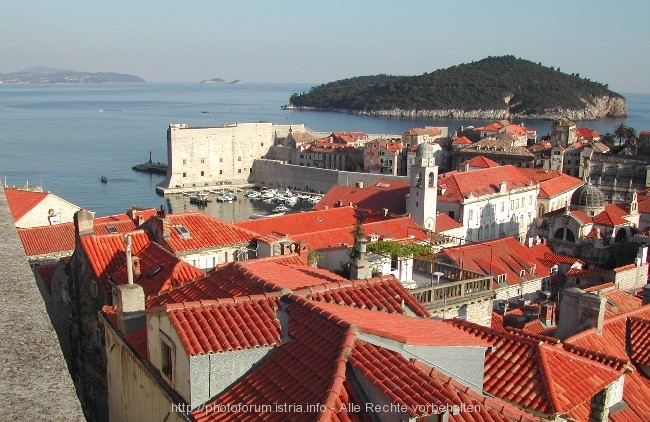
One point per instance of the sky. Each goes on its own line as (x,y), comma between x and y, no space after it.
(314,41)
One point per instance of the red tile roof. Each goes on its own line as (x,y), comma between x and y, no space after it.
(609,219)
(543,252)
(541,375)
(445,223)
(107,253)
(401,328)
(462,140)
(434,131)
(382,194)
(480,182)
(496,257)
(160,271)
(480,162)
(403,228)
(205,232)
(552,182)
(224,325)
(639,341)
(303,222)
(614,341)
(378,293)
(310,369)
(60,237)
(22,201)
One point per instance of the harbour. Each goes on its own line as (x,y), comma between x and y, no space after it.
(53,137)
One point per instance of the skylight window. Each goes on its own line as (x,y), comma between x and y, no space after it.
(182,230)
(153,271)
(111,229)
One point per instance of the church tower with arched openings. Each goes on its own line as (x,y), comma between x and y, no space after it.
(423,197)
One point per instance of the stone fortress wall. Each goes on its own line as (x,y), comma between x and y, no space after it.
(209,156)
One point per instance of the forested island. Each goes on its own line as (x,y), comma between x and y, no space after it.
(501,87)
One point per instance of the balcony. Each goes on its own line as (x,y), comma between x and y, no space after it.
(456,287)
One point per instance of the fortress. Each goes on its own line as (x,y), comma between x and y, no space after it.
(209,156)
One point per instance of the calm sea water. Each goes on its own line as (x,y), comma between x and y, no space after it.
(65,137)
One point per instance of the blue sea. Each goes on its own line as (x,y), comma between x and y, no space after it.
(65,137)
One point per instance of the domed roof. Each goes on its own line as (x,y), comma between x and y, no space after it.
(588,196)
(425,150)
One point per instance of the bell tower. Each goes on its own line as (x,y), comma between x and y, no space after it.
(423,197)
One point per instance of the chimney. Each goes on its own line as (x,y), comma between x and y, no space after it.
(136,216)
(84,223)
(361,268)
(130,307)
(161,228)
(129,261)
(135,265)
(339,203)
(359,184)
(646,294)
(547,314)
(580,311)
(643,253)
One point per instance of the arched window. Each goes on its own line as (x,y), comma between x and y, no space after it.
(432,180)
(559,234)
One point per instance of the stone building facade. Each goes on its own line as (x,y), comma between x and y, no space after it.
(207,156)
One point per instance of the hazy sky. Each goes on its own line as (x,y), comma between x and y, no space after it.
(322,41)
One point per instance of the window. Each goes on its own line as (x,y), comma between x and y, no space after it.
(166,357)
(183,232)
(184,174)
(451,214)
(202,160)
(239,158)
(184,161)
(221,160)
(239,171)
(202,173)
(501,278)
(220,171)
(93,288)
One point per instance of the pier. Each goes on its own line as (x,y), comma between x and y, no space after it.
(158,168)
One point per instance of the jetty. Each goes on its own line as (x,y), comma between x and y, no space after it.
(159,168)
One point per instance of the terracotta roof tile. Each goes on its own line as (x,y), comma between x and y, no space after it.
(497,257)
(379,293)
(397,229)
(60,237)
(405,329)
(480,182)
(609,219)
(541,375)
(160,271)
(639,341)
(212,326)
(205,232)
(304,222)
(552,182)
(107,253)
(614,341)
(22,201)
(480,162)
(382,194)
(445,223)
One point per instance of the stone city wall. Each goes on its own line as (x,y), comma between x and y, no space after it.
(278,174)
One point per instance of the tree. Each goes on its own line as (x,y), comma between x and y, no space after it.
(621,133)
(608,139)
(357,234)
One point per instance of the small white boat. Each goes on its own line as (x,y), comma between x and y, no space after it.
(252,194)
(280,208)
(225,197)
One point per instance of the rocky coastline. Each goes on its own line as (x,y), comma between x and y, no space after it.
(598,108)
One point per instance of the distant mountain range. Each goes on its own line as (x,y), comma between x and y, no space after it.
(218,81)
(48,75)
